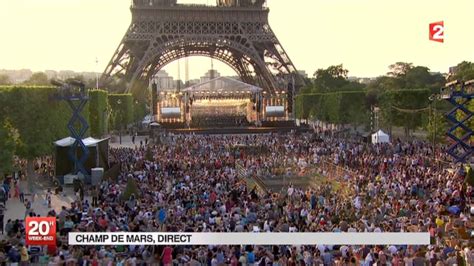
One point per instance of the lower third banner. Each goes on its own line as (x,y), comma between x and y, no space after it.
(158,238)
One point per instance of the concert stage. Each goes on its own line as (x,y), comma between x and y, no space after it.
(236,130)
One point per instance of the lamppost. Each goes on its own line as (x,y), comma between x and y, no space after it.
(105,121)
(137,119)
(96,74)
(119,103)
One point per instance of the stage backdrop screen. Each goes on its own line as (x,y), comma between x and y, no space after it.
(170,112)
(275,111)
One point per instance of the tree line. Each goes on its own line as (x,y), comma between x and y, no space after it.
(401,98)
(31,119)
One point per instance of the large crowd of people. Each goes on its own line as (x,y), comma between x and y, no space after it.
(189,183)
(219,121)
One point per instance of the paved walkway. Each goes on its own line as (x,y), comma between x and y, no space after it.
(15,209)
(127,142)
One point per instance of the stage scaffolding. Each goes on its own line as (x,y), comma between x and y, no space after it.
(220,97)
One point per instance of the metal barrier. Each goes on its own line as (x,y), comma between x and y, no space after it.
(334,173)
(250,179)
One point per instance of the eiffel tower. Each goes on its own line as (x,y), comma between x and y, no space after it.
(235,32)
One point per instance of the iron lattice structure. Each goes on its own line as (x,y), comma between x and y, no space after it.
(460,94)
(236,32)
(76,96)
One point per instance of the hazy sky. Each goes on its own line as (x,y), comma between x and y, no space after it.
(364,35)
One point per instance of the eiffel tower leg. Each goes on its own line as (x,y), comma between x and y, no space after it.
(124,61)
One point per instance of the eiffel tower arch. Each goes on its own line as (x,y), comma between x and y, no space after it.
(236,32)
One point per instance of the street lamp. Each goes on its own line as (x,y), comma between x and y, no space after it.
(137,122)
(96,74)
(119,102)
(105,119)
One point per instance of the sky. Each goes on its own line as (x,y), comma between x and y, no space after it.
(366,36)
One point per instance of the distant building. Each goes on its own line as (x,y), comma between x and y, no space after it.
(17,76)
(211,74)
(89,75)
(361,80)
(234,77)
(303,73)
(66,74)
(52,74)
(165,81)
(192,82)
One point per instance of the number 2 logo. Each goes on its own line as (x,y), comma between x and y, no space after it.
(437,31)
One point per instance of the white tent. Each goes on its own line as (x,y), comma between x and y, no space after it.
(68,141)
(380,137)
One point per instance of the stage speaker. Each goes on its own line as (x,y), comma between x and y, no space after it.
(154,98)
(290,97)
(96,176)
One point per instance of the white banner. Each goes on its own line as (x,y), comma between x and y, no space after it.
(176,239)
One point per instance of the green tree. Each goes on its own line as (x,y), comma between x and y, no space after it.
(121,110)
(437,126)
(469,179)
(130,189)
(8,141)
(139,111)
(5,79)
(38,79)
(420,77)
(335,72)
(399,69)
(331,79)
(304,103)
(463,71)
(407,76)
(342,107)
(384,83)
(38,119)
(404,108)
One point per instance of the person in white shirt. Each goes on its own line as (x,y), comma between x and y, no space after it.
(290,190)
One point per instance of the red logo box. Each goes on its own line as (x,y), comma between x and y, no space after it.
(41,231)
(437,31)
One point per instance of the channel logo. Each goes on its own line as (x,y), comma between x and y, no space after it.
(41,231)
(437,31)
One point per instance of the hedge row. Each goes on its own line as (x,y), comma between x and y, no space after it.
(36,117)
(98,112)
(39,119)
